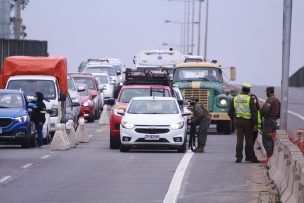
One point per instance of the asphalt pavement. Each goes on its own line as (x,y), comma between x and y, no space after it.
(94,173)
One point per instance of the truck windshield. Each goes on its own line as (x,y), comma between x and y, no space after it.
(8,100)
(128,94)
(100,69)
(212,74)
(153,107)
(29,87)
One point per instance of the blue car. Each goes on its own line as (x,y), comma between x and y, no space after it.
(15,122)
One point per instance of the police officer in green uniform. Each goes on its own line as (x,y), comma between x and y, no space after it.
(202,118)
(243,109)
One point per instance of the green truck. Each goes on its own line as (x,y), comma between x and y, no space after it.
(204,80)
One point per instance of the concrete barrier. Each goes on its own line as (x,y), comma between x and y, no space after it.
(59,142)
(71,133)
(81,133)
(104,118)
(296,189)
(286,169)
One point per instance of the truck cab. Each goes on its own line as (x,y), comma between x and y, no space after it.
(204,80)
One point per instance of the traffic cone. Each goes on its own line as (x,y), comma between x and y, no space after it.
(71,133)
(82,133)
(59,142)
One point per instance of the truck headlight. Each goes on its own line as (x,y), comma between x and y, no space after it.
(222,102)
(177,125)
(22,118)
(127,125)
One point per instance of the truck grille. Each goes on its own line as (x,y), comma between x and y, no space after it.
(152,130)
(201,94)
(4,122)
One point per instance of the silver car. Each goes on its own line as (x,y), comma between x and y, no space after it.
(74,94)
(104,80)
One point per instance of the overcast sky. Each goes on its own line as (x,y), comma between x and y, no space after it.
(242,33)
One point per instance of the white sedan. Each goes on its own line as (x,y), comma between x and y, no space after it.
(153,122)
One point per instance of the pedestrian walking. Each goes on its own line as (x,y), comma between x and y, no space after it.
(271,113)
(38,116)
(259,124)
(243,109)
(202,118)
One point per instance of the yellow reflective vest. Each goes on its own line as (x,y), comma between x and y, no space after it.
(242,106)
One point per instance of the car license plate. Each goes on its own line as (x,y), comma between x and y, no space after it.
(152,137)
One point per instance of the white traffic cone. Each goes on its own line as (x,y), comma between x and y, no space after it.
(71,133)
(59,142)
(63,129)
(82,133)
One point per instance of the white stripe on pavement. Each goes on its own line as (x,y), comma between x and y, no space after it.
(290,112)
(45,157)
(4,178)
(175,185)
(91,136)
(27,165)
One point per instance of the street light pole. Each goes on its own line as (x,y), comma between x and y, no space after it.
(206,30)
(287,19)
(182,28)
(199,28)
(192,34)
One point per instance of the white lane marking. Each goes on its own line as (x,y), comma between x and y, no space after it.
(45,156)
(4,178)
(177,179)
(27,165)
(290,112)
(91,136)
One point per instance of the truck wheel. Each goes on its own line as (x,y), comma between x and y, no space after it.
(91,119)
(114,142)
(227,127)
(124,148)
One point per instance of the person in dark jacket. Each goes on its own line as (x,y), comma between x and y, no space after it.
(38,116)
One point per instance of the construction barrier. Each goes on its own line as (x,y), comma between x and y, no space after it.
(286,169)
(60,141)
(71,133)
(81,133)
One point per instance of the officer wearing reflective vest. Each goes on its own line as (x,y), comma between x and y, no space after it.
(38,116)
(244,112)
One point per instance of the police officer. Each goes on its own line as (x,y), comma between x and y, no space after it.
(38,116)
(270,112)
(201,117)
(259,123)
(245,113)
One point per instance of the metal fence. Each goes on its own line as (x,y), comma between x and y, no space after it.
(11,47)
(297,79)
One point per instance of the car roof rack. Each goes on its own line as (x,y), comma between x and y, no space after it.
(147,77)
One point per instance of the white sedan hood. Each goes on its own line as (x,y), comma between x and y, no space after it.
(152,119)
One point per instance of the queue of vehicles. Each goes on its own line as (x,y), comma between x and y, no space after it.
(160,77)
(22,76)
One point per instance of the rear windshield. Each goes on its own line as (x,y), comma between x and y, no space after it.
(85,80)
(101,69)
(29,87)
(102,79)
(127,94)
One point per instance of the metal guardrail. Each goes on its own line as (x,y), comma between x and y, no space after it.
(12,47)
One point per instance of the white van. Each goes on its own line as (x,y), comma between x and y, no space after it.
(48,85)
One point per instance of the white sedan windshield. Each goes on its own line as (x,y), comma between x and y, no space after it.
(153,107)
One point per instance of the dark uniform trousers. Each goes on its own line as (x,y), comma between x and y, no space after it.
(269,126)
(202,131)
(244,129)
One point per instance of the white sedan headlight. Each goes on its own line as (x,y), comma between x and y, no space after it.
(22,118)
(177,125)
(127,125)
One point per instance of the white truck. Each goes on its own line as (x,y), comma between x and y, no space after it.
(39,74)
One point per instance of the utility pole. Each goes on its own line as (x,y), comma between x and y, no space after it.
(199,28)
(206,30)
(287,19)
(17,19)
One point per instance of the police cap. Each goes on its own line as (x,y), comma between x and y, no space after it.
(247,85)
